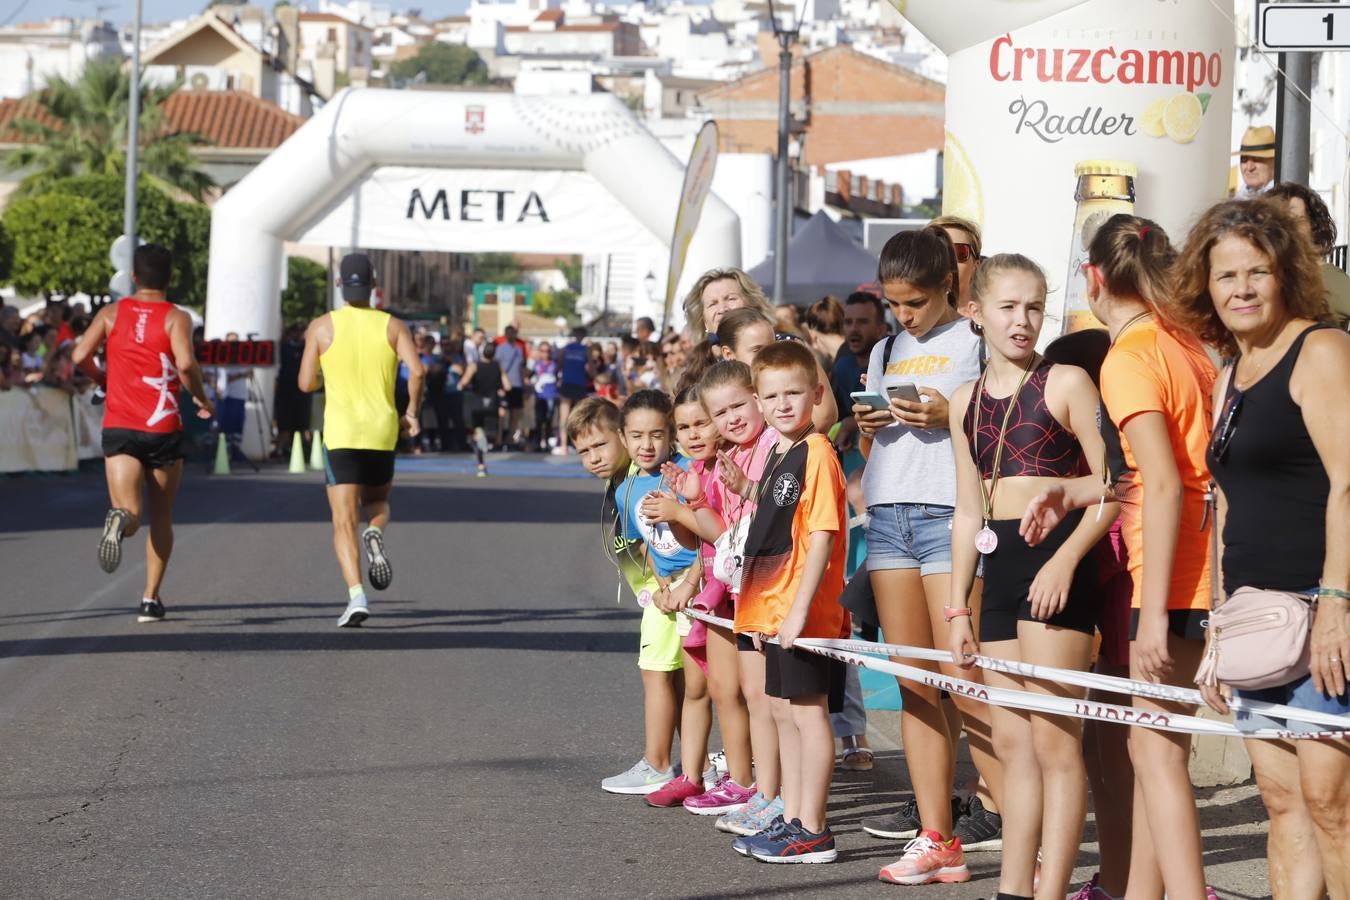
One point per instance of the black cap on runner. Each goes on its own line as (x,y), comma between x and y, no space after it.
(357,277)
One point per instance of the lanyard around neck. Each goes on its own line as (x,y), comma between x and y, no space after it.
(987,495)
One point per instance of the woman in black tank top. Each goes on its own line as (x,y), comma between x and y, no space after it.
(1280,454)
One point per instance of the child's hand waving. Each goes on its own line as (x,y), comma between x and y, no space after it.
(685,483)
(733,478)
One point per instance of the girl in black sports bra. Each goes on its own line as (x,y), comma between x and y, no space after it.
(1025,425)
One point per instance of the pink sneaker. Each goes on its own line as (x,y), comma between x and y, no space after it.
(928,858)
(725,797)
(1090,891)
(673,793)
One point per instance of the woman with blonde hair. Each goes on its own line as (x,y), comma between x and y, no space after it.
(720,291)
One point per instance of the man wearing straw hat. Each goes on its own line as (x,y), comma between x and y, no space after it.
(1256,162)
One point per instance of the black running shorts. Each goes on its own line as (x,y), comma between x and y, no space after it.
(789,674)
(369,468)
(154,449)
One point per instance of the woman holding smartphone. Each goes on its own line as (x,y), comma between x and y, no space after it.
(910,487)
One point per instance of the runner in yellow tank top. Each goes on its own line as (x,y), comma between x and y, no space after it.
(354,353)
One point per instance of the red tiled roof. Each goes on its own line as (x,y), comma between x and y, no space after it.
(224,118)
(230,118)
(550,15)
(11,109)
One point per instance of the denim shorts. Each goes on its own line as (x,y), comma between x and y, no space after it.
(910,536)
(1300,694)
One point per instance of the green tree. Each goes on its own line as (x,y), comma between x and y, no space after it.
(306,294)
(440,63)
(60,244)
(552,304)
(80,217)
(183,227)
(85,132)
(496,268)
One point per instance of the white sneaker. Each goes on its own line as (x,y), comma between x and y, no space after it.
(642,778)
(355,613)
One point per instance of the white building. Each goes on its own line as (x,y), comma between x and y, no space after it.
(31,52)
(350,41)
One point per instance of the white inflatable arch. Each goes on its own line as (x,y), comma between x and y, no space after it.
(369,147)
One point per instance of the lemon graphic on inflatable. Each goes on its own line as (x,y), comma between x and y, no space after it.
(1152,119)
(1181,117)
(961,194)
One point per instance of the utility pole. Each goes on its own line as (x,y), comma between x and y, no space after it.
(780,239)
(1294,129)
(133,132)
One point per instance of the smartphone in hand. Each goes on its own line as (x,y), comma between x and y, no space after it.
(870,398)
(907,392)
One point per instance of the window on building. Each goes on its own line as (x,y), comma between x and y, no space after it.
(332,35)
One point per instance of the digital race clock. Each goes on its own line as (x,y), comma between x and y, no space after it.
(237,353)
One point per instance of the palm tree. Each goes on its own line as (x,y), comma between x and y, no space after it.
(80,127)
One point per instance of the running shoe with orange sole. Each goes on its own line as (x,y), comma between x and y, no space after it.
(928,859)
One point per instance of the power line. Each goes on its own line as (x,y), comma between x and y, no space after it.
(14,15)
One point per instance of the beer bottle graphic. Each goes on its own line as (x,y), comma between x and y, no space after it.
(1105,187)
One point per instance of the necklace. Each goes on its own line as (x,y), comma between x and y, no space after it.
(1143,315)
(986,541)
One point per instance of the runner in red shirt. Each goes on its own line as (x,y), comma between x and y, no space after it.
(149,348)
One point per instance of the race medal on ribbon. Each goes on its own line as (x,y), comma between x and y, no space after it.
(986,541)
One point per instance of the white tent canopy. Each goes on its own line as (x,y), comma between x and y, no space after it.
(451,171)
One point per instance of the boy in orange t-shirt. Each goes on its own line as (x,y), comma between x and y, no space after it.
(793,575)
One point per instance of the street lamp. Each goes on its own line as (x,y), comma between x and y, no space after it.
(786,38)
(133,129)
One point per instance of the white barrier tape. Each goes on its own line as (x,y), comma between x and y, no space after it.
(1081,709)
(1092,680)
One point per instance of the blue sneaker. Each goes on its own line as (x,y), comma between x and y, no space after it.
(738,821)
(794,844)
(754,823)
(743,845)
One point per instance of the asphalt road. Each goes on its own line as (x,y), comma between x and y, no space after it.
(451,747)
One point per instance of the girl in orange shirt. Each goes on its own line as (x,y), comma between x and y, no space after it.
(1157,384)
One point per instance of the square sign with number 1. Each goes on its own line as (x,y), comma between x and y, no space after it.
(1304,26)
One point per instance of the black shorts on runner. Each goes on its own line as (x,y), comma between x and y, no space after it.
(369,468)
(515,398)
(574,392)
(789,674)
(154,449)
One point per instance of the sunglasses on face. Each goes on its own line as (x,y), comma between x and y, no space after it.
(964,252)
(1227,427)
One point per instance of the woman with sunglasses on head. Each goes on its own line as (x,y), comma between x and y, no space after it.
(1250,287)
(965,236)
(1157,385)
